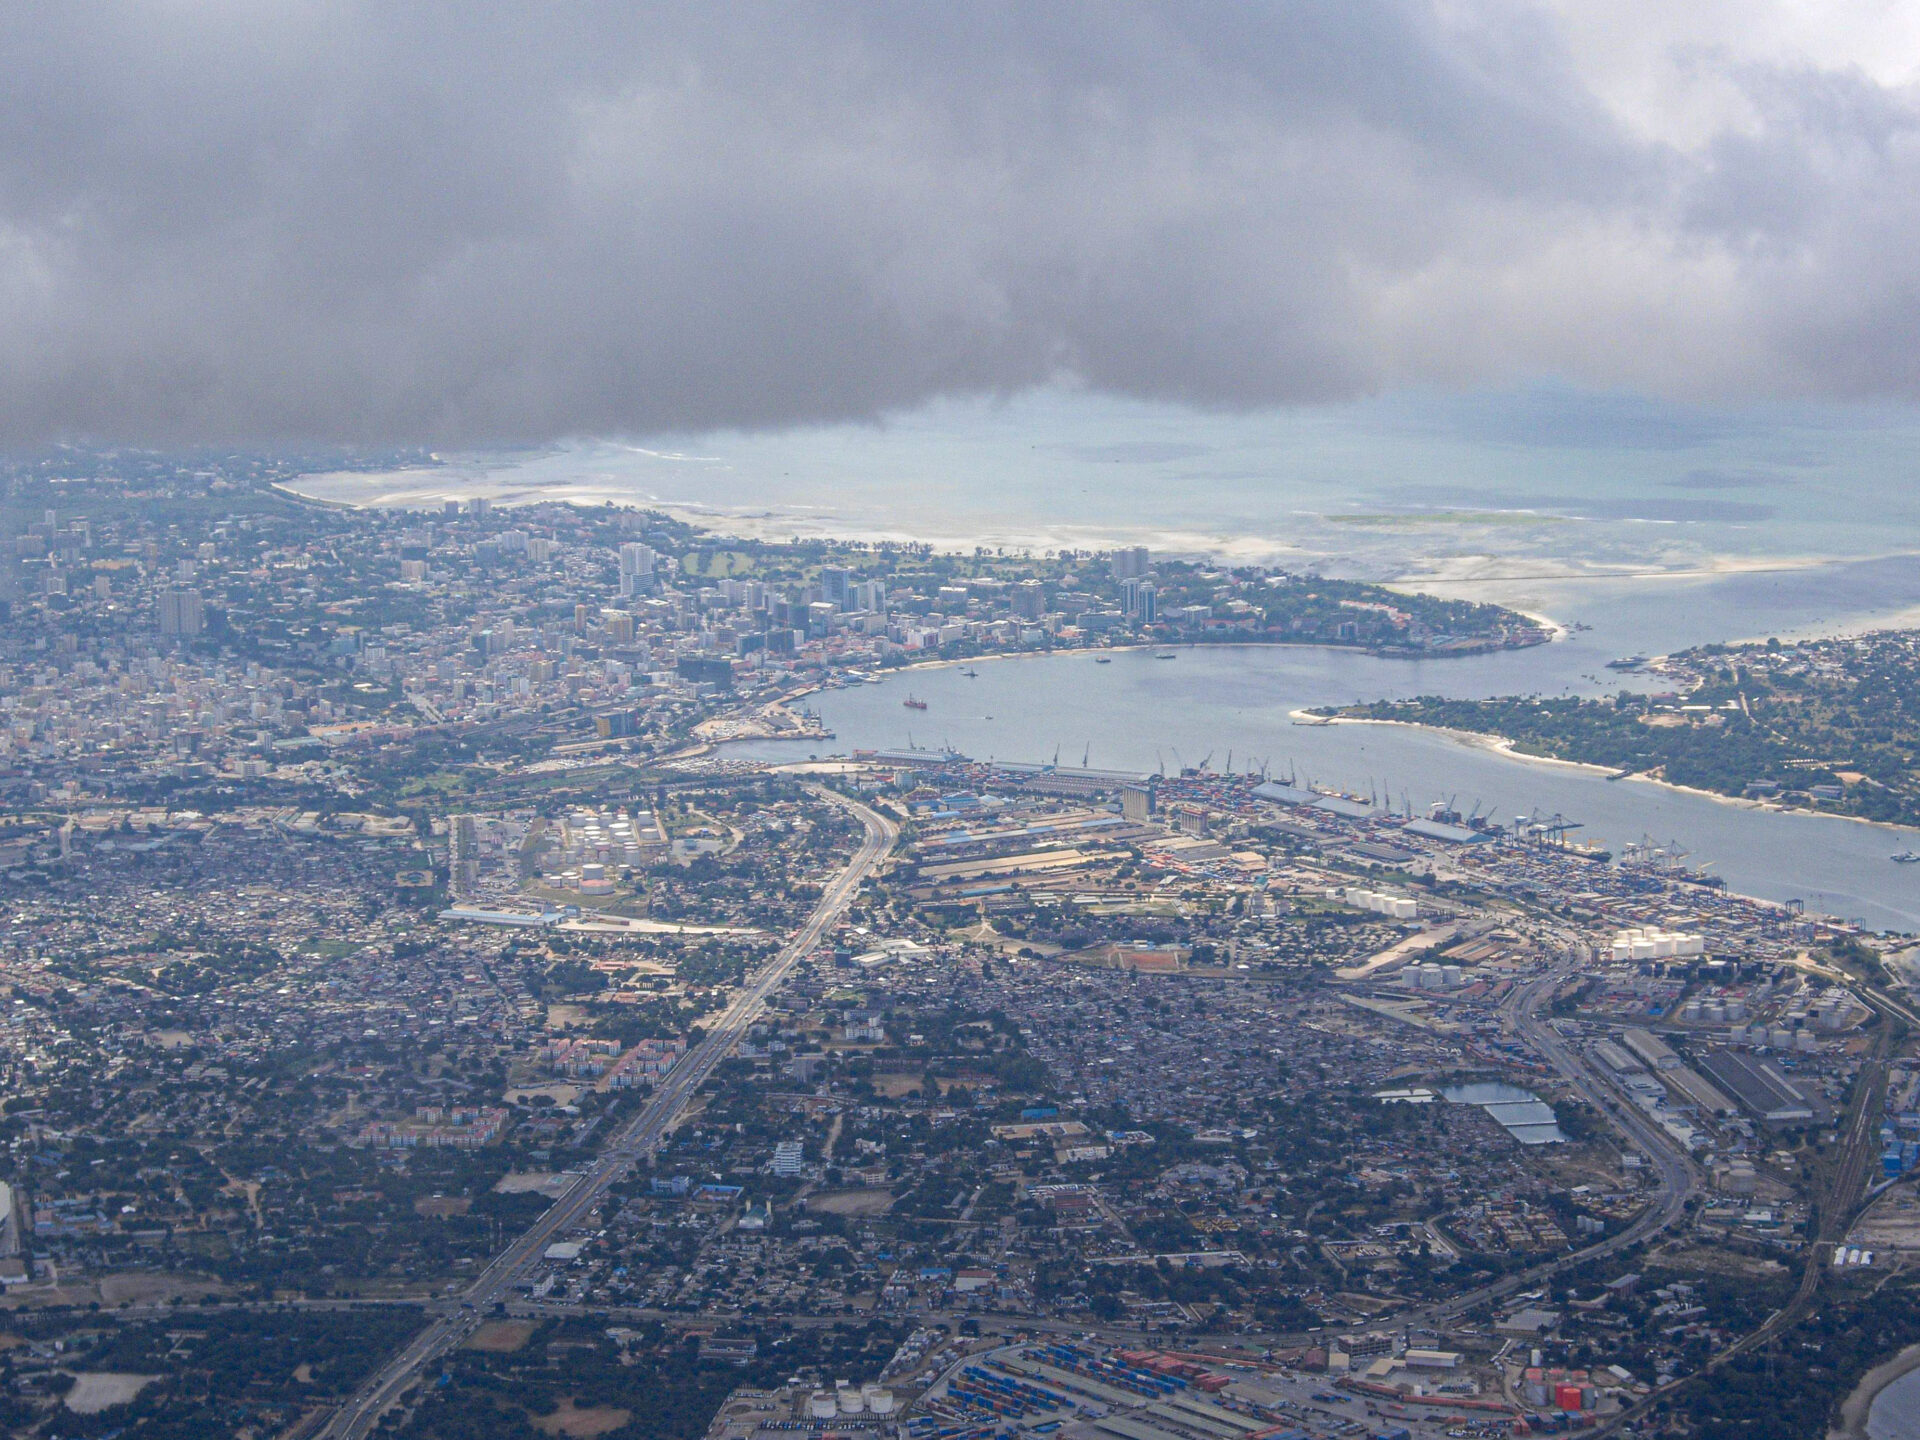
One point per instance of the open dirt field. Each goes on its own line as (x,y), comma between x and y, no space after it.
(93,1393)
(142,1287)
(851,1202)
(569,1421)
(523,1182)
(1891,1223)
(501,1337)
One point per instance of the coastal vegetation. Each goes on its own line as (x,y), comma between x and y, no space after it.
(1830,725)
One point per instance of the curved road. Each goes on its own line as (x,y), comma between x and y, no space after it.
(1677,1174)
(456,1319)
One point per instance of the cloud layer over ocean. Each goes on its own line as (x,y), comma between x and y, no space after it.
(462,224)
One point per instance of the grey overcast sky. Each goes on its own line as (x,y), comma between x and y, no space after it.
(483,223)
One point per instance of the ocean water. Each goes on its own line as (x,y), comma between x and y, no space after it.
(1521,488)
(1895,1413)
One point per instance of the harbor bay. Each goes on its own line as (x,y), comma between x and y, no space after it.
(1240,705)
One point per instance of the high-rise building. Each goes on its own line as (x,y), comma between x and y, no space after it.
(1140,601)
(182,612)
(1131,563)
(13,1223)
(836,586)
(636,567)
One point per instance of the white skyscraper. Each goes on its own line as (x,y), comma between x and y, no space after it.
(636,567)
(182,612)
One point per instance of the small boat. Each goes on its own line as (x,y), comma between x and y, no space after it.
(1905,857)
(971,673)
(1103,660)
(914,702)
(1166,655)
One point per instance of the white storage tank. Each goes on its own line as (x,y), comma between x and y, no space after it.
(822,1406)
(852,1402)
(879,1399)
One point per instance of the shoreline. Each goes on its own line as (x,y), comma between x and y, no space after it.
(766,521)
(1856,1409)
(765,524)
(1508,748)
(1190,645)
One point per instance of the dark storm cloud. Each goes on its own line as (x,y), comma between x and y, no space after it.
(487,223)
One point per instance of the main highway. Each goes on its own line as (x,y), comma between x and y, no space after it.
(456,1319)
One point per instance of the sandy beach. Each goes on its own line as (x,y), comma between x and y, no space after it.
(1508,748)
(1855,1409)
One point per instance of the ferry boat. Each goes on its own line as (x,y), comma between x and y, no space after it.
(1103,660)
(1166,655)
(1905,857)
(1630,662)
(914,702)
